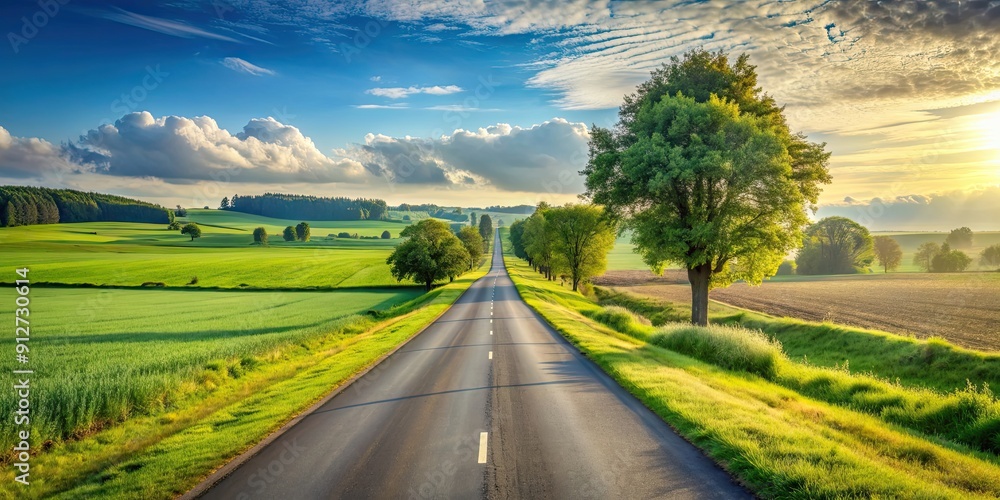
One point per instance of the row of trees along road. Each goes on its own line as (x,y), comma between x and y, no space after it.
(704,170)
(573,240)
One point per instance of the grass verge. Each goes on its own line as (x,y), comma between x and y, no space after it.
(933,363)
(165,455)
(779,442)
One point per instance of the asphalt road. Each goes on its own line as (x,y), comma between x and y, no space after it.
(487,402)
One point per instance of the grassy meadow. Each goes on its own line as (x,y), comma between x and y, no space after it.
(130,254)
(784,426)
(142,391)
(112,354)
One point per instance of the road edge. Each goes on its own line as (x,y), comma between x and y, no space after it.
(237,461)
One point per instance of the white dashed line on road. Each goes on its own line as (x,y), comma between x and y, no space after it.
(482,447)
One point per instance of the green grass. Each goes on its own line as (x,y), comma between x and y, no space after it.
(734,348)
(128,254)
(779,441)
(932,364)
(108,355)
(232,397)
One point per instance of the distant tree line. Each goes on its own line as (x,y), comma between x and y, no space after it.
(23,206)
(292,206)
(517,209)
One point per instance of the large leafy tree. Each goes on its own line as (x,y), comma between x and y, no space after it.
(288,234)
(581,240)
(537,240)
(517,239)
(430,253)
(704,171)
(888,252)
(486,228)
(473,243)
(835,245)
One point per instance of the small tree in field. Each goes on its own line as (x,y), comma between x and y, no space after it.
(302,231)
(888,252)
(950,261)
(473,243)
(191,229)
(260,236)
(386,235)
(705,172)
(990,256)
(925,254)
(288,234)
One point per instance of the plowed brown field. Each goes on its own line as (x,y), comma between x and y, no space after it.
(962,307)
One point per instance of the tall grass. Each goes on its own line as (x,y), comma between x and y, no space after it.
(623,320)
(143,352)
(735,348)
(970,415)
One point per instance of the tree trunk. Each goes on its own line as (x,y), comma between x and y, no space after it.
(699,278)
(429,283)
(576,282)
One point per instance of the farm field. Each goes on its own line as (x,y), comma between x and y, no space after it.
(622,258)
(963,308)
(130,254)
(113,353)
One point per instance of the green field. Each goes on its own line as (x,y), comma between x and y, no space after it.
(106,355)
(141,392)
(128,254)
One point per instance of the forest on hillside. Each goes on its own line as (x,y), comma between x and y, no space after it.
(293,206)
(23,206)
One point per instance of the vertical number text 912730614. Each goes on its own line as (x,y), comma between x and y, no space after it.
(22,376)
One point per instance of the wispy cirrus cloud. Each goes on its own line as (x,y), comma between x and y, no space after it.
(244,66)
(382,106)
(404,92)
(160,25)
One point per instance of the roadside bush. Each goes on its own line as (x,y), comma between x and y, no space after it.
(344,234)
(731,347)
(622,320)
(658,313)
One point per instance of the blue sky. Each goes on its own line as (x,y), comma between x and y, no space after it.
(474,103)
